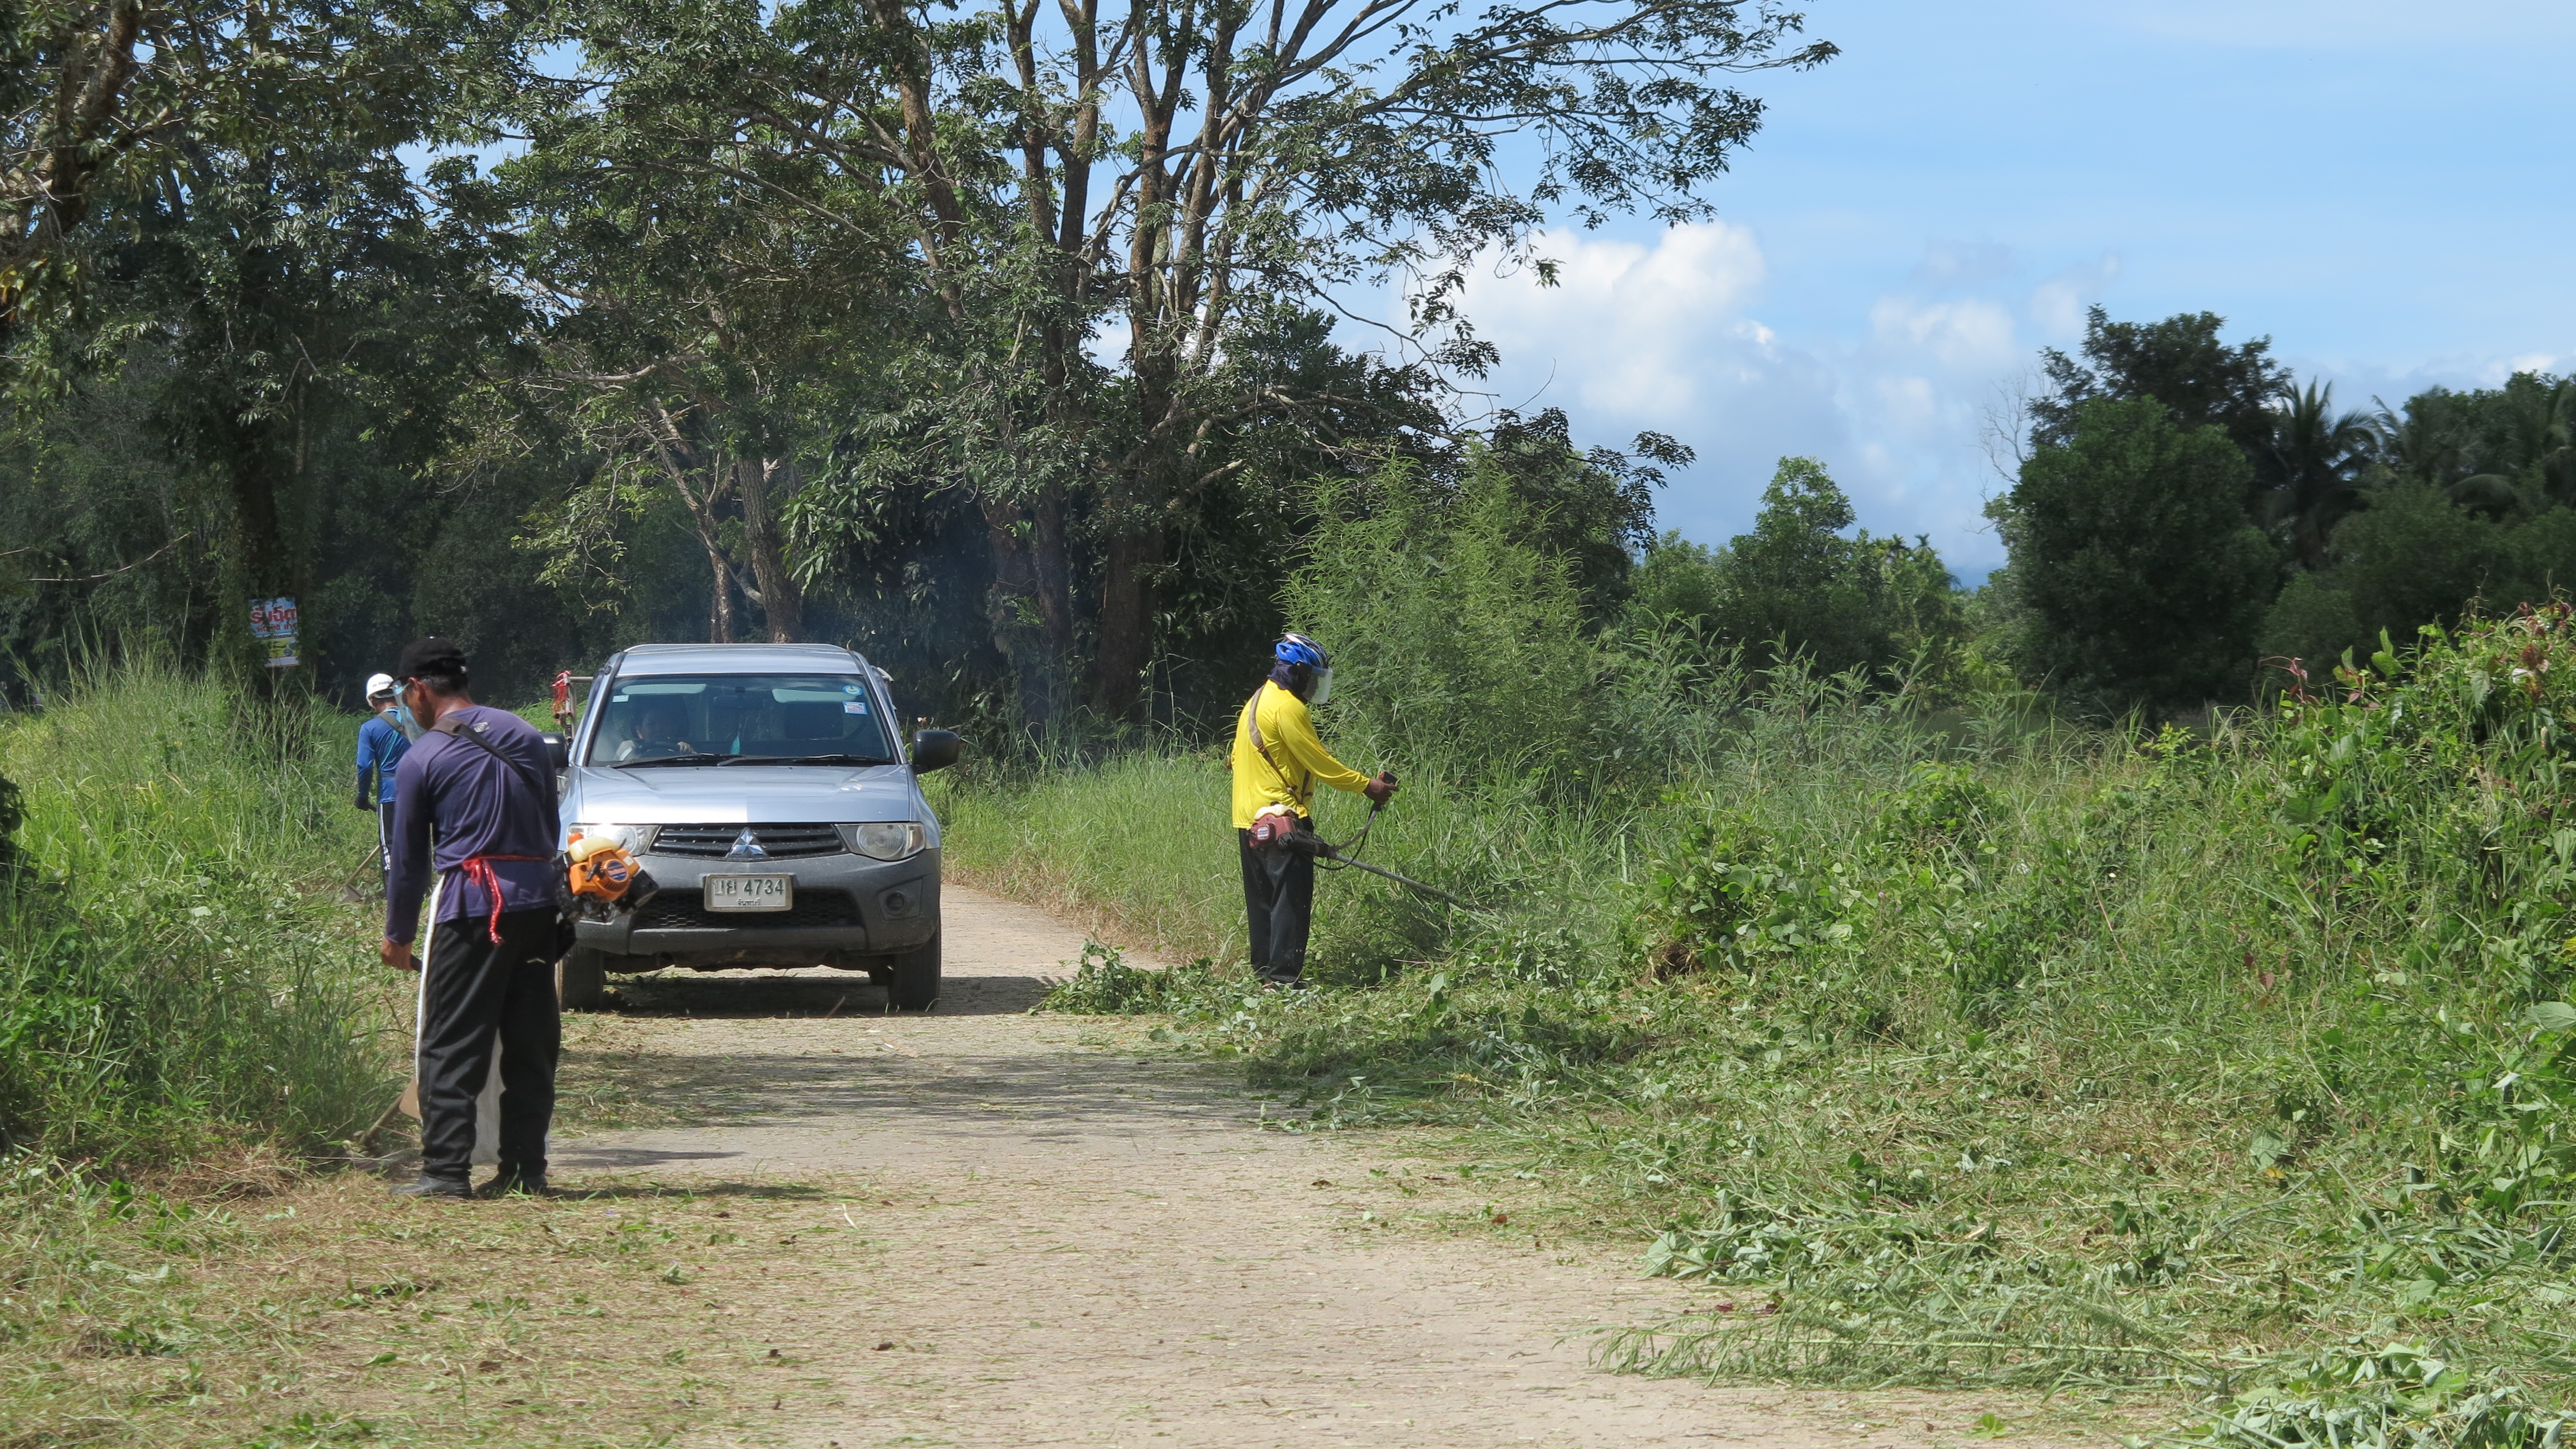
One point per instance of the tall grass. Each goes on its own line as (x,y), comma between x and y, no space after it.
(176,974)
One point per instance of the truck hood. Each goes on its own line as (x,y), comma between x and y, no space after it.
(745,794)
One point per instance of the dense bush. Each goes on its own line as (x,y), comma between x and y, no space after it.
(1456,638)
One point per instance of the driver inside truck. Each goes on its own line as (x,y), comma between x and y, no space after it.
(657,733)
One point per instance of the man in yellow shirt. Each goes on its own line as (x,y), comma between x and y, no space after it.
(1277,760)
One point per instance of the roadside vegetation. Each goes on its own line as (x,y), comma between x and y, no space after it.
(1944,1043)
(178,976)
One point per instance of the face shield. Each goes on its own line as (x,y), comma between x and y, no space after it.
(405,720)
(1323,687)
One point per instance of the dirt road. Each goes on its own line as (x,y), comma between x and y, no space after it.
(1086,1246)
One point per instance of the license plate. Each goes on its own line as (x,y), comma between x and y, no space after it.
(750,892)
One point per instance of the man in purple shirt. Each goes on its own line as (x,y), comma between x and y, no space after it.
(474,799)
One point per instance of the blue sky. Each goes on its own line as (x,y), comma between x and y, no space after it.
(2384,189)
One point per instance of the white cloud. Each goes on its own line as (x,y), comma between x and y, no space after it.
(1625,326)
(1666,336)
(1975,334)
(1894,396)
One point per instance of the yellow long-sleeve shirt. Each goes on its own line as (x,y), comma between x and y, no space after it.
(1300,756)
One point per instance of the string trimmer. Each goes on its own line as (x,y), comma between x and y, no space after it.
(1346,855)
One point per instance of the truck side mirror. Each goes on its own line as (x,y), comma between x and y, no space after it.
(558,755)
(935,750)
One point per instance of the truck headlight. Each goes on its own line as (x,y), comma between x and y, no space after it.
(889,840)
(635,838)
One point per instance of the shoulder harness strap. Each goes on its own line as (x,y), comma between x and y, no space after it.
(1252,722)
(476,731)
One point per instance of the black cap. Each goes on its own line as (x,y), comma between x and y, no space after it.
(429,656)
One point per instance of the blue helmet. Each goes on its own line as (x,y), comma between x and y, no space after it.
(1298,649)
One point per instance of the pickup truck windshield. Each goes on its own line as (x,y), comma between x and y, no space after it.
(709,719)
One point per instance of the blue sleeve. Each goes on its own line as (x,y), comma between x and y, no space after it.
(366,757)
(408,882)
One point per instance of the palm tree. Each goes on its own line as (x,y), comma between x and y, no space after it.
(2317,455)
(2543,437)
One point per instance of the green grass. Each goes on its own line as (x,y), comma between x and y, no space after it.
(177,975)
(2234,1064)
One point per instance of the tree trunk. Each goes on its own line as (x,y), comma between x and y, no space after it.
(1031,619)
(1132,516)
(782,602)
(720,629)
(1126,621)
(1051,571)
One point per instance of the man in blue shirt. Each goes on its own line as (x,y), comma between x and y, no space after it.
(475,800)
(380,750)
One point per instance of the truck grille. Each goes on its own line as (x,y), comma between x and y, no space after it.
(686,911)
(711,842)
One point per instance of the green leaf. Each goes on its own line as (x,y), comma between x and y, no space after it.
(2550,1016)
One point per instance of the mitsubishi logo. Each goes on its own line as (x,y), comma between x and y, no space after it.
(746,846)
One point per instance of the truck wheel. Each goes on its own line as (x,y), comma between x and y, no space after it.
(915,983)
(581,979)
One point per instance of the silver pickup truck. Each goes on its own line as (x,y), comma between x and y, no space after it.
(763,787)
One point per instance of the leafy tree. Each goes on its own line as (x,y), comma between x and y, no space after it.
(1676,579)
(1189,176)
(2506,452)
(1796,586)
(1795,583)
(704,330)
(2180,362)
(2140,579)
(104,103)
(2412,557)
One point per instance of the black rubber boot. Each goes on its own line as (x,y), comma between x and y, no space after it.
(517,1182)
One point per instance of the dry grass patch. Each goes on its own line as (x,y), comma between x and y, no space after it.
(322,1311)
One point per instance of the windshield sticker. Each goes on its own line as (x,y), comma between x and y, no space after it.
(856,706)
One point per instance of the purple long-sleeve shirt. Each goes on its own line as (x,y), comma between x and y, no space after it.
(453,790)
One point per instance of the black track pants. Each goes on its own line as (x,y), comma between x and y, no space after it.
(474,989)
(1278,907)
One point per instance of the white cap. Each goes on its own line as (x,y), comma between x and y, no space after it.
(379,684)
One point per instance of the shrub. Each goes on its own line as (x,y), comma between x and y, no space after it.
(1457,642)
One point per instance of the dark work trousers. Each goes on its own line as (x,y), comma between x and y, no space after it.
(1278,906)
(474,988)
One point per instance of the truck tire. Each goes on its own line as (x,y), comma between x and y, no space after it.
(914,980)
(581,979)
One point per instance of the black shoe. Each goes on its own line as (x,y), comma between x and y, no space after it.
(1284,983)
(426,1185)
(515,1182)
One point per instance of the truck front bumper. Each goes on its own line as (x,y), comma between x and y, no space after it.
(847,911)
